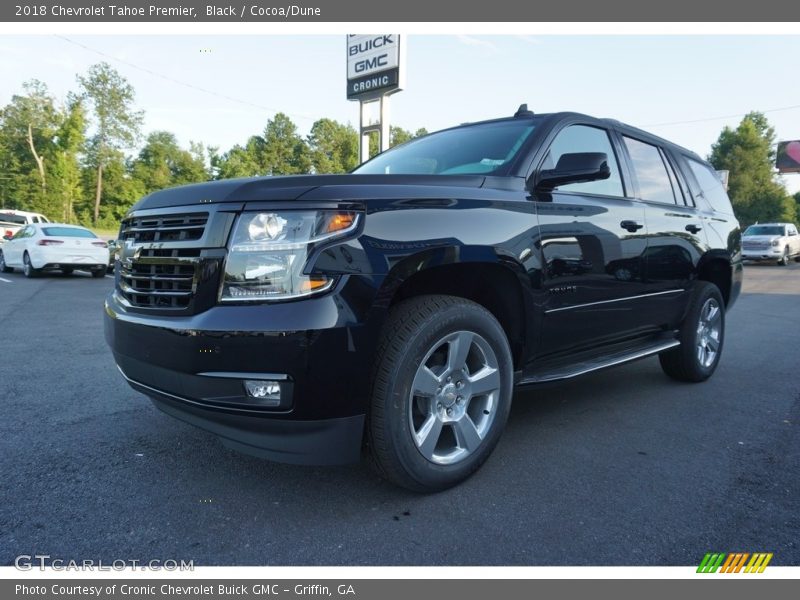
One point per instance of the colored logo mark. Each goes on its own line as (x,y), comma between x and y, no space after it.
(734,562)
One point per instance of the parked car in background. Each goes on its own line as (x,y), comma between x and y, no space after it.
(12,221)
(771,241)
(48,246)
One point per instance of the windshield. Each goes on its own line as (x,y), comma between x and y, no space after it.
(764,230)
(68,232)
(481,149)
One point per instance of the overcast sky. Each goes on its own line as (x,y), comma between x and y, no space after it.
(221,89)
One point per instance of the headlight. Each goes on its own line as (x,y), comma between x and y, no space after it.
(776,242)
(268,252)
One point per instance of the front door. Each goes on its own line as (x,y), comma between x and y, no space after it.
(592,238)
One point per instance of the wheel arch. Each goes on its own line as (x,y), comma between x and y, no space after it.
(497,282)
(716,268)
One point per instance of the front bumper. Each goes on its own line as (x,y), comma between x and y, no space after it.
(771,254)
(193,368)
(320,442)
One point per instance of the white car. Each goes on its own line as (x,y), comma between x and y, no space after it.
(771,241)
(48,246)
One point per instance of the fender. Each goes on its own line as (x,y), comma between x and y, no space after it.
(471,258)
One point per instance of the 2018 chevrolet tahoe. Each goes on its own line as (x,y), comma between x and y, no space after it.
(395,309)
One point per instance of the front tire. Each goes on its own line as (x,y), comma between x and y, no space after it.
(784,261)
(441,392)
(701,335)
(98,273)
(27,267)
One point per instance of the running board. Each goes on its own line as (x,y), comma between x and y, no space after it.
(641,350)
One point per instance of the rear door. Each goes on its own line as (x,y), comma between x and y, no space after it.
(676,228)
(591,237)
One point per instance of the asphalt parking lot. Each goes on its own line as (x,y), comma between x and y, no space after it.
(623,467)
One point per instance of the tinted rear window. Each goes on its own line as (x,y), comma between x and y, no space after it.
(18,219)
(67,232)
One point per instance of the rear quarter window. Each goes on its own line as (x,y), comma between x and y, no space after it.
(710,186)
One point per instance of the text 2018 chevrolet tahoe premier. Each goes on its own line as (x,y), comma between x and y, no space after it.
(394,309)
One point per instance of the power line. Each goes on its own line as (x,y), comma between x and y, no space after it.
(182,83)
(771,110)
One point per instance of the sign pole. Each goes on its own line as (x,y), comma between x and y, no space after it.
(363,143)
(385,130)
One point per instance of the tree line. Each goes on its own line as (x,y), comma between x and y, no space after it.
(75,161)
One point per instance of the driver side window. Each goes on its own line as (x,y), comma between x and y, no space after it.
(583,138)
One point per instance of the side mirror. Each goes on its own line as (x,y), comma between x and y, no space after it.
(578,167)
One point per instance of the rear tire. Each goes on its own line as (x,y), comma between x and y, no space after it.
(67,271)
(27,267)
(4,268)
(441,392)
(702,335)
(99,273)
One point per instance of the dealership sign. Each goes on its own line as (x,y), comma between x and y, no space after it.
(788,160)
(374,64)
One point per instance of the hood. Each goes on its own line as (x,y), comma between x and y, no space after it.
(309,187)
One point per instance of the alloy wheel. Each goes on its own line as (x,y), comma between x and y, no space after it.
(454,397)
(709,331)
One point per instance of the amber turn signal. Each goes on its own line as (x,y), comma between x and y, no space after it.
(340,221)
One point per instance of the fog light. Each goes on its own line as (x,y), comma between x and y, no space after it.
(266,392)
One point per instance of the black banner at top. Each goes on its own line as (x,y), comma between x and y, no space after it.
(393,11)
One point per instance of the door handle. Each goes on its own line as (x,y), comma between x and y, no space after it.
(691,228)
(631,226)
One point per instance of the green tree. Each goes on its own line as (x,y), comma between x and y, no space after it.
(797,207)
(116,122)
(66,187)
(283,151)
(333,147)
(163,163)
(239,161)
(120,190)
(748,153)
(27,130)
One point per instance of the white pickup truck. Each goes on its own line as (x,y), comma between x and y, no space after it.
(771,241)
(12,221)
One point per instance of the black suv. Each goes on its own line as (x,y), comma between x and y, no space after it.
(394,309)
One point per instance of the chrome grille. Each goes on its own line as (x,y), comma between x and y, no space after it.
(748,245)
(159,278)
(165,228)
